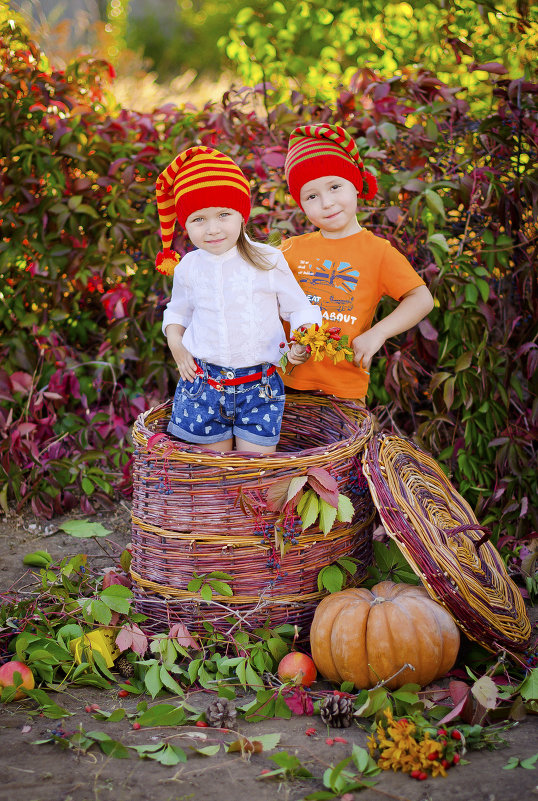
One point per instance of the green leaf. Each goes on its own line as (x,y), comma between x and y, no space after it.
(84,528)
(206,592)
(163,715)
(529,762)
(331,578)
(512,763)
(37,559)
(327,516)
(252,677)
(152,679)
(382,556)
(267,741)
(118,598)
(110,747)
(170,755)
(289,764)
(345,510)
(47,706)
(348,564)
(221,587)
(241,672)
(529,687)
(169,682)
(193,669)
(310,509)
(376,700)
(98,610)
(438,241)
(434,203)
(207,750)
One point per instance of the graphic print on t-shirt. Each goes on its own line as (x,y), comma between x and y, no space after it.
(340,277)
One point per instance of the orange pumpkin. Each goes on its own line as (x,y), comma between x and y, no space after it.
(366,636)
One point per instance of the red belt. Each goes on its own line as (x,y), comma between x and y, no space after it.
(231,382)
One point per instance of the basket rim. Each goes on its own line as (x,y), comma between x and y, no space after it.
(358,417)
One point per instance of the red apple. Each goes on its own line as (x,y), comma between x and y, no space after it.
(7,677)
(298,668)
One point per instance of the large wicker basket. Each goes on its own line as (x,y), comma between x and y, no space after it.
(196,511)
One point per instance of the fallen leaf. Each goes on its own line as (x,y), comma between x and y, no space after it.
(130,636)
(485,691)
(183,636)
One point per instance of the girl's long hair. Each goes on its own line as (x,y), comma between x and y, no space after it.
(251,253)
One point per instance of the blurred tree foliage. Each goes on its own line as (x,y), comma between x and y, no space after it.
(314,45)
(182,35)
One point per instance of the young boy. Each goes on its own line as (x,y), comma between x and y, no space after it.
(343,267)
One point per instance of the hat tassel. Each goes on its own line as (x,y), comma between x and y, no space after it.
(166,261)
(369,186)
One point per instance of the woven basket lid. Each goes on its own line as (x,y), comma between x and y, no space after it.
(437,532)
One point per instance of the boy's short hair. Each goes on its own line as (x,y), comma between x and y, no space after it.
(318,150)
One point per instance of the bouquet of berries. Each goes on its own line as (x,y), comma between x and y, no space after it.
(320,341)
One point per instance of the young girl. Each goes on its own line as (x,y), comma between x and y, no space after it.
(223,320)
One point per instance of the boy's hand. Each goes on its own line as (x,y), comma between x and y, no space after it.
(365,346)
(298,354)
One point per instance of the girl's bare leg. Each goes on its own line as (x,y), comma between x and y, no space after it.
(243,445)
(223,447)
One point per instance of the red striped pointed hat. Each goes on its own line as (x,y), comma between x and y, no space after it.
(198,178)
(318,150)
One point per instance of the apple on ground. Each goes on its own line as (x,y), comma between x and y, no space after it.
(298,668)
(7,677)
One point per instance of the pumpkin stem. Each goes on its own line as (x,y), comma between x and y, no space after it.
(378,600)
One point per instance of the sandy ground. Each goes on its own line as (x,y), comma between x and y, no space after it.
(31,772)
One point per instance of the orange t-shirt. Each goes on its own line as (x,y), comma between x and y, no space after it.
(347,277)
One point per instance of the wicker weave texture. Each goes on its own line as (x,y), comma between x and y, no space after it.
(439,535)
(197,511)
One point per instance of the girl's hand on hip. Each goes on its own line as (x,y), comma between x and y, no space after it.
(365,346)
(298,354)
(185,363)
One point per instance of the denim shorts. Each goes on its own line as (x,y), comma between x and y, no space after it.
(252,411)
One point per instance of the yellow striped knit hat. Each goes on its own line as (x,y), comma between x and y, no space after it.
(198,178)
(323,149)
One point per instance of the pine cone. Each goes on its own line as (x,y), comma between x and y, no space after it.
(337,711)
(124,667)
(221,714)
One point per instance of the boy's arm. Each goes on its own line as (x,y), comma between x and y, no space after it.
(412,308)
(185,363)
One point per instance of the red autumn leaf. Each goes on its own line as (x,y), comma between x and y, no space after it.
(463,702)
(277,495)
(131,636)
(324,478)
(21,382)
(491,66)
(155,438)
(183,636)
(427,330)
(111,577)
(324,485)
(299,701)
(295,487)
